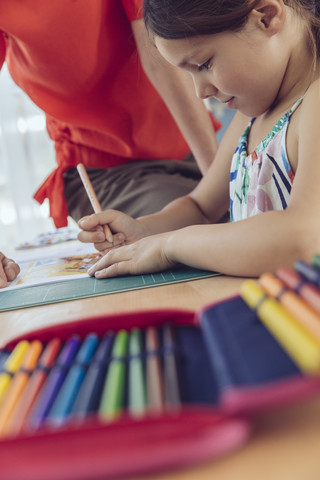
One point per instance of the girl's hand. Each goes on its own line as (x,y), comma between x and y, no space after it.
(144,256)
(124,229)
(9,270)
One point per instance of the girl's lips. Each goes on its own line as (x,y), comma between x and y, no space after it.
(229,102)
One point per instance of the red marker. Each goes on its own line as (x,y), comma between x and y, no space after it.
(296,282)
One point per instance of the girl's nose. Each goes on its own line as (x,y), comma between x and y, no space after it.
(204,89)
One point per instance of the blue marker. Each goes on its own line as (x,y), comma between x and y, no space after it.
(312,274)
(54,381)
(4,355)
(70,388)
(90,392)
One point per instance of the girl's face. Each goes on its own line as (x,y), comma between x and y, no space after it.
(245,69)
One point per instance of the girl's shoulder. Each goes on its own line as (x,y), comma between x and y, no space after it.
(314,87)
(311,99)
(303,141)
(309,115)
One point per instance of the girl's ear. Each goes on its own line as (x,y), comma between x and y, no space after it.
(269,15)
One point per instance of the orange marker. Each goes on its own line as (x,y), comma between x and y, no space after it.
(26,401)
(93,198)
(306,315)
(19,382)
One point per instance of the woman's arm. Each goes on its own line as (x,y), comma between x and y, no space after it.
(177,91)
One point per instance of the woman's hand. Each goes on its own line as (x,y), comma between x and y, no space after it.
(124,228)
(9,270)
(144,256)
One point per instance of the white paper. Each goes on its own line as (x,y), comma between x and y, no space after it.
(53,265)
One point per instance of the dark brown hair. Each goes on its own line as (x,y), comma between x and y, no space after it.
(174,19)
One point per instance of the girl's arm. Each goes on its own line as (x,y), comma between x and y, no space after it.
(209,202)
(265,241)
(248,247)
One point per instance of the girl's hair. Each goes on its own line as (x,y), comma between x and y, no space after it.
(174,19)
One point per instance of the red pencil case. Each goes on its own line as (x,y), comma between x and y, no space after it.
(229,368)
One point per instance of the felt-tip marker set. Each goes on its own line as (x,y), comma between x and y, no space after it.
(130,371)
(160,388)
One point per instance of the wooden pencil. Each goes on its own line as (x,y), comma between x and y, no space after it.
(93,198)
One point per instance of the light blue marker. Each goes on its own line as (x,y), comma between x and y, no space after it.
(69,390)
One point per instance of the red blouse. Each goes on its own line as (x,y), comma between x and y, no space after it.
(78,62)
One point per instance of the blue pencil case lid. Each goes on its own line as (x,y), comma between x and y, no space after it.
(251,369)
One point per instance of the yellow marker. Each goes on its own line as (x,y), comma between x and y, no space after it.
(11,366)
(299,343)
(292,302)
(18,383)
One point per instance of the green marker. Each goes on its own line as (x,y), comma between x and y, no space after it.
(316,261)
(111,403)
(137,388)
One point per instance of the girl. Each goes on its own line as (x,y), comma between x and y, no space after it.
(260,57)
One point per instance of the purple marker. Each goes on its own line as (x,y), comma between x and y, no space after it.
(54,381)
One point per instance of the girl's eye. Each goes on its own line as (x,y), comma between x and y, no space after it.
(204,66)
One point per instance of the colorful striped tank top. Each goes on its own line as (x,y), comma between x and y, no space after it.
(261,181)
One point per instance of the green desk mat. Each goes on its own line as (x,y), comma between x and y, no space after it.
(91,287)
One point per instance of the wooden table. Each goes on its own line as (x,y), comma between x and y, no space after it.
(285,443)
(188,296)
